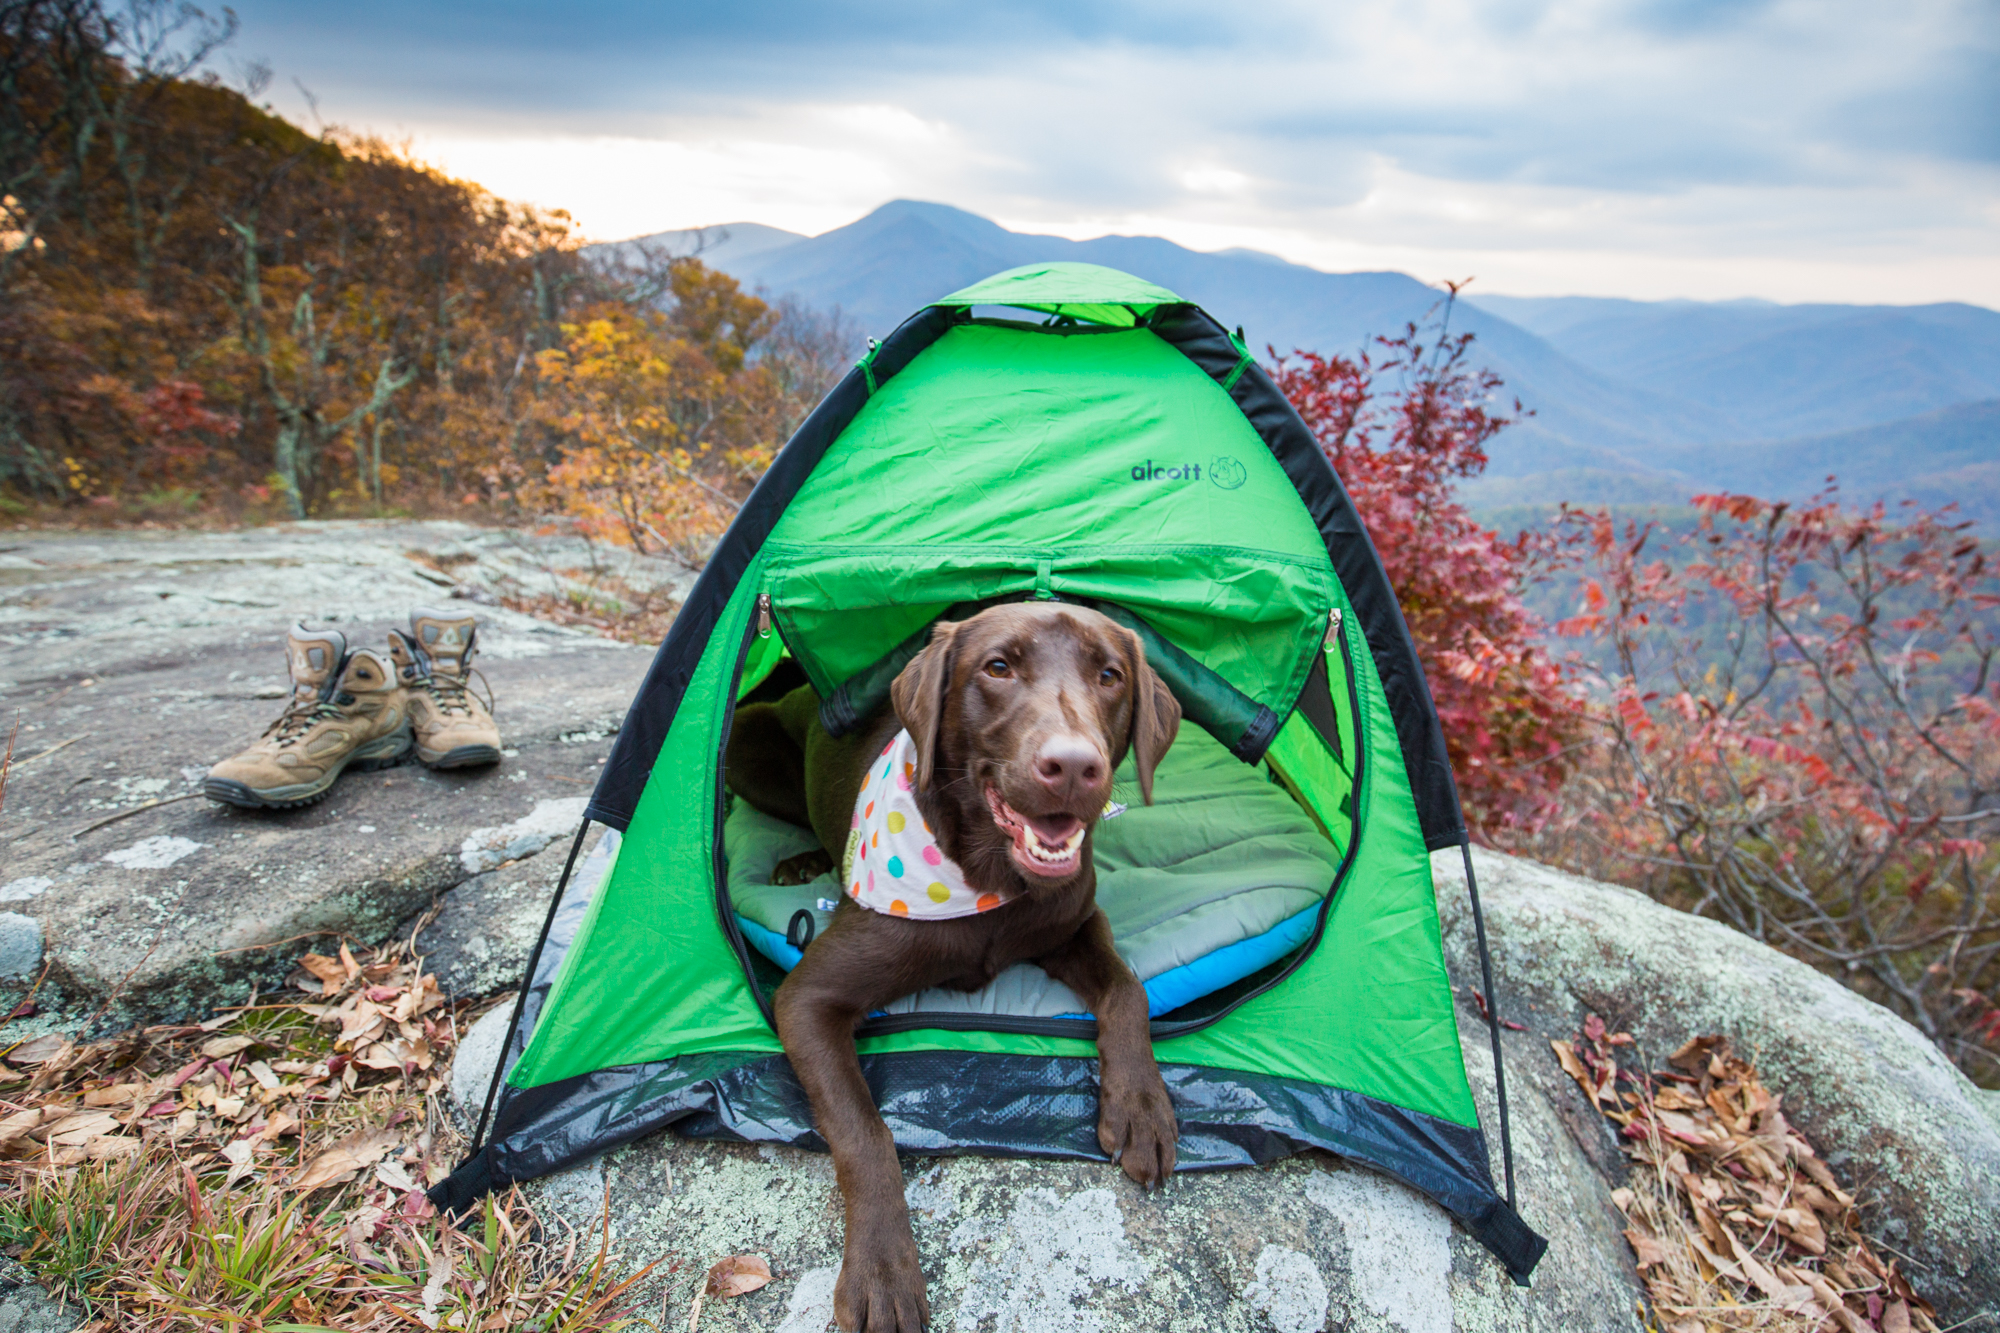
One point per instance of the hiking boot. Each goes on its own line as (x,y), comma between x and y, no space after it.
(346,712)
(454,728)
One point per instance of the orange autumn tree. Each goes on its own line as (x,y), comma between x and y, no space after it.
(657,414)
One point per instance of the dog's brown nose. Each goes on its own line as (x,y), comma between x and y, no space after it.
(1070,766)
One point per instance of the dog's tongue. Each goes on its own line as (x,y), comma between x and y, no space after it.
(1050,846)
(1053,830)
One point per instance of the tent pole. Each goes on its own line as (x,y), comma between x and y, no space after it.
(1492,1016)
(528,982)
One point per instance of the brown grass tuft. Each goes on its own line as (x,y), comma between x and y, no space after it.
(265,1170)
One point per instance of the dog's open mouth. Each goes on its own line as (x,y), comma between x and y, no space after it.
(1048,846)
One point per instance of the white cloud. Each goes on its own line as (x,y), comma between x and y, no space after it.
(1794,149)
(618,187)
(1214,180)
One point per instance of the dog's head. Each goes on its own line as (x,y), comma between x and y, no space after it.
(1019,716)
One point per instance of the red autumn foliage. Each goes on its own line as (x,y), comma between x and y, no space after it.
(1401,423)
(1798,737)
(178,407)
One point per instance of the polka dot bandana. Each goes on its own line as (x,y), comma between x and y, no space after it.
(892,864)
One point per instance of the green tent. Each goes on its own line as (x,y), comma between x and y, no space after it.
(1126,453)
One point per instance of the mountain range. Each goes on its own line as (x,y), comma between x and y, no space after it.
(1631,401)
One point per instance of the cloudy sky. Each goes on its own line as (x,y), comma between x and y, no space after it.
(1844,150)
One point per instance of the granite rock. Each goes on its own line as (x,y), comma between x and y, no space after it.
(1917,1141)
(27,1307)
(136,660)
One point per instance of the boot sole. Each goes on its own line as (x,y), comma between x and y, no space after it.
(387,752)
(462,756)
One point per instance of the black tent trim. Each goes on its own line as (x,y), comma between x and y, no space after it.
(1042,1106)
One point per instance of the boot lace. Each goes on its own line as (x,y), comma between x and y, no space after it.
(450,692)
(299,717)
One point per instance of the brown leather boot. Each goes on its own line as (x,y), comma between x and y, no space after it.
(454,729)
(346,711)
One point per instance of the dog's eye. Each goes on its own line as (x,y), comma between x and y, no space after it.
(998,668)
(1109,677)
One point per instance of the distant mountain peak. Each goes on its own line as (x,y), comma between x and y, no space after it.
(953,222)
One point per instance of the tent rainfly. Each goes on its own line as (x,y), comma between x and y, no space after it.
(1122,451)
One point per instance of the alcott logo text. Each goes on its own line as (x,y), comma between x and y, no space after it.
(1222,470)
(1151,471)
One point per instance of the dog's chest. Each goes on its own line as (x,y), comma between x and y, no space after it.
(1027,930)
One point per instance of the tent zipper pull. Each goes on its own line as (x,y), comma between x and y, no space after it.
(764,615)
(1332,628)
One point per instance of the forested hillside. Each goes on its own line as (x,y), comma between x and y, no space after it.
(205,308)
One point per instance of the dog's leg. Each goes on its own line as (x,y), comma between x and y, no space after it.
(881,1284)
(1135,1117)
(765,764)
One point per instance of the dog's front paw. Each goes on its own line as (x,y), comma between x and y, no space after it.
(1135,1124)
(881,1288)
(801,869)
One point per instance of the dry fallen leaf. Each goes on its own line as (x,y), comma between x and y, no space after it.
(1566,1056)
(238,1155)
(736,1275)
(332,976)
(35,1050)
(360,1021)
(353,1154)
(25,1122)
(221,1048)
(381,1055)
(107,1146)
(1645,1247)
(279,1124)
(78,1128)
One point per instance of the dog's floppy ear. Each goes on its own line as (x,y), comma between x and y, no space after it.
(1156,716)
(918,694)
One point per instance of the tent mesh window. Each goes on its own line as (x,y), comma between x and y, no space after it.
(1125,453)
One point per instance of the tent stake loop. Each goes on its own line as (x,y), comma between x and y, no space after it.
(527,984)
(1492,1017)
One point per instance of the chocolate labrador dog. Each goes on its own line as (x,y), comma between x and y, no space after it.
(1016,719)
